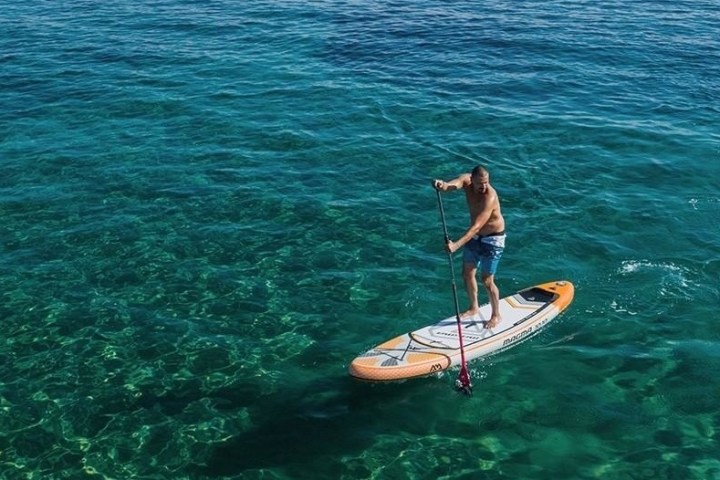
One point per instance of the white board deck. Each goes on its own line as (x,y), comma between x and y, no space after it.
(436,347)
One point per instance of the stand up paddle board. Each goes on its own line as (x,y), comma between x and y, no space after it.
(436,348)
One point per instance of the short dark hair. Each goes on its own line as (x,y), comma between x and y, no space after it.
(479,171)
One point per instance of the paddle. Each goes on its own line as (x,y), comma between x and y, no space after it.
(463,382)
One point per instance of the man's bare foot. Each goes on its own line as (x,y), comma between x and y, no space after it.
(492,323)
(469,313)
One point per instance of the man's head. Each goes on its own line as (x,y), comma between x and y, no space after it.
(480,179)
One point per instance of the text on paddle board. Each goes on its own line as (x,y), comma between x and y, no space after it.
(525,333)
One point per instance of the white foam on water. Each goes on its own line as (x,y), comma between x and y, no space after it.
(631,266)
(673,279)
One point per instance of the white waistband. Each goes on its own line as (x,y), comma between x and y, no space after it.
(494,240)
(478,237)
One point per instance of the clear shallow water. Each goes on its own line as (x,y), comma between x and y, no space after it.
(209,210)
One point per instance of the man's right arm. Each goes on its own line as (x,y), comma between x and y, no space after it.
(455,184)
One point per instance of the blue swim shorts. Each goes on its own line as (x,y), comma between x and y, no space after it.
(484,252)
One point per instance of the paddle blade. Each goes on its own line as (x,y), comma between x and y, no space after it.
(462,384)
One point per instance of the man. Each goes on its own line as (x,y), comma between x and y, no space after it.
(484,241)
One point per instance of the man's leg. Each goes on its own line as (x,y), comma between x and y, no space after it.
(471,286)
(488,281)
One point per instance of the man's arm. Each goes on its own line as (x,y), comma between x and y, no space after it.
(477,225)
(455,184)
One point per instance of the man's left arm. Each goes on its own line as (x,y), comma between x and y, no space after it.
(477,225)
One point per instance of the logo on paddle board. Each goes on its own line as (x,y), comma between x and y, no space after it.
(528,331)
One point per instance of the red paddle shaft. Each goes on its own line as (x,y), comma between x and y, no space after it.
(463,381)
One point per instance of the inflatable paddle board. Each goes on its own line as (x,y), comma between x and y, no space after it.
(436,348)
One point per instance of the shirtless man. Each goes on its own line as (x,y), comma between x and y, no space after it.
(484,241)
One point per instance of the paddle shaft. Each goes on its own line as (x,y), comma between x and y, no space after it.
(464,377)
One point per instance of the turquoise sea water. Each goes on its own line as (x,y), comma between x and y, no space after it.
(210,208)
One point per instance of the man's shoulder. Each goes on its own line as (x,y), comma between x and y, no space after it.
(492,195)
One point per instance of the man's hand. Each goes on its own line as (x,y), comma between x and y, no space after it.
(439,185)
(451,246)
